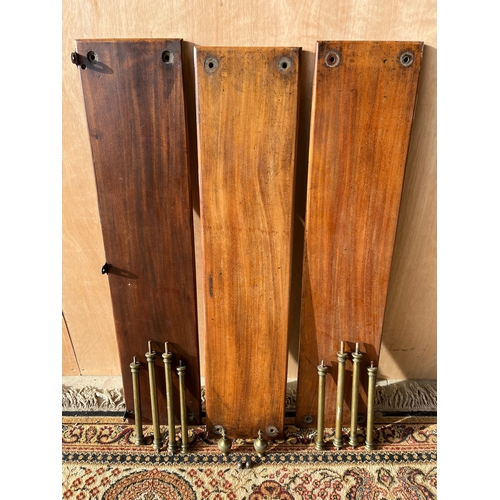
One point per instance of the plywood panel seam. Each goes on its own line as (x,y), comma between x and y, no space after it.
(71,342)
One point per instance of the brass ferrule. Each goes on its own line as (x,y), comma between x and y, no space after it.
(167,359)
(320,444)
(135,366)
(181,370)
(157,442)
(337,440)
(356,360)
(372,380)
(136,388)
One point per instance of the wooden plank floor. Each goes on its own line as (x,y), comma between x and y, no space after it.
(134,101)
(363,101)
(247,104)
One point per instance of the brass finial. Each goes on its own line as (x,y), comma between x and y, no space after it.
(260,444)
(224,443)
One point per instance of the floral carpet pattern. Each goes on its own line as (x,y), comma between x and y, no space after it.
(101,461)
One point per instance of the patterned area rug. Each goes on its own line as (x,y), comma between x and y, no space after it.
(101,461)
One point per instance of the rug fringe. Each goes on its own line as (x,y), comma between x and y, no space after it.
(391,396)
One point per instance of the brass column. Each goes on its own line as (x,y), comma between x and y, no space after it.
(134,368)
(341,357)
(372,380)
(167,359)
(151,356)
(356,360)
(181,370)
(322,369)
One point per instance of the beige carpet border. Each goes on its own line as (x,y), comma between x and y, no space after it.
(92,394)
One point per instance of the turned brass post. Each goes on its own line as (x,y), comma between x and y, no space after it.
(181,370)
(151,356)
(372,380)
(134,368)
(322,369)
(167,359)
(341,357)
(356,360)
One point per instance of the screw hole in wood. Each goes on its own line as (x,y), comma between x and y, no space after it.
(332,59)
(272,431)
(92,57)
(406,59)
(211,64)
(284,64)
(167,57)
(217,429)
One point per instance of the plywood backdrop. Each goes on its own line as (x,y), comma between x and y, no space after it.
(409,336)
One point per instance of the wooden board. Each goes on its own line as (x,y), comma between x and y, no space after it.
(86,297)
(134,101)
(362,110)
(409,336)
(247,102)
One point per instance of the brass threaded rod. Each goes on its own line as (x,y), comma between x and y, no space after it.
(322,369)
(181,370)
(372,380)
(356,360)
(136,388)
(341,358)
(167,359)
(151,356)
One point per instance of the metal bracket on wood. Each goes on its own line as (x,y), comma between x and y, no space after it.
(79,60)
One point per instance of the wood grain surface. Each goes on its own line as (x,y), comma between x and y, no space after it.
(409,340)
(247,102)
(134,101)
(362,110)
